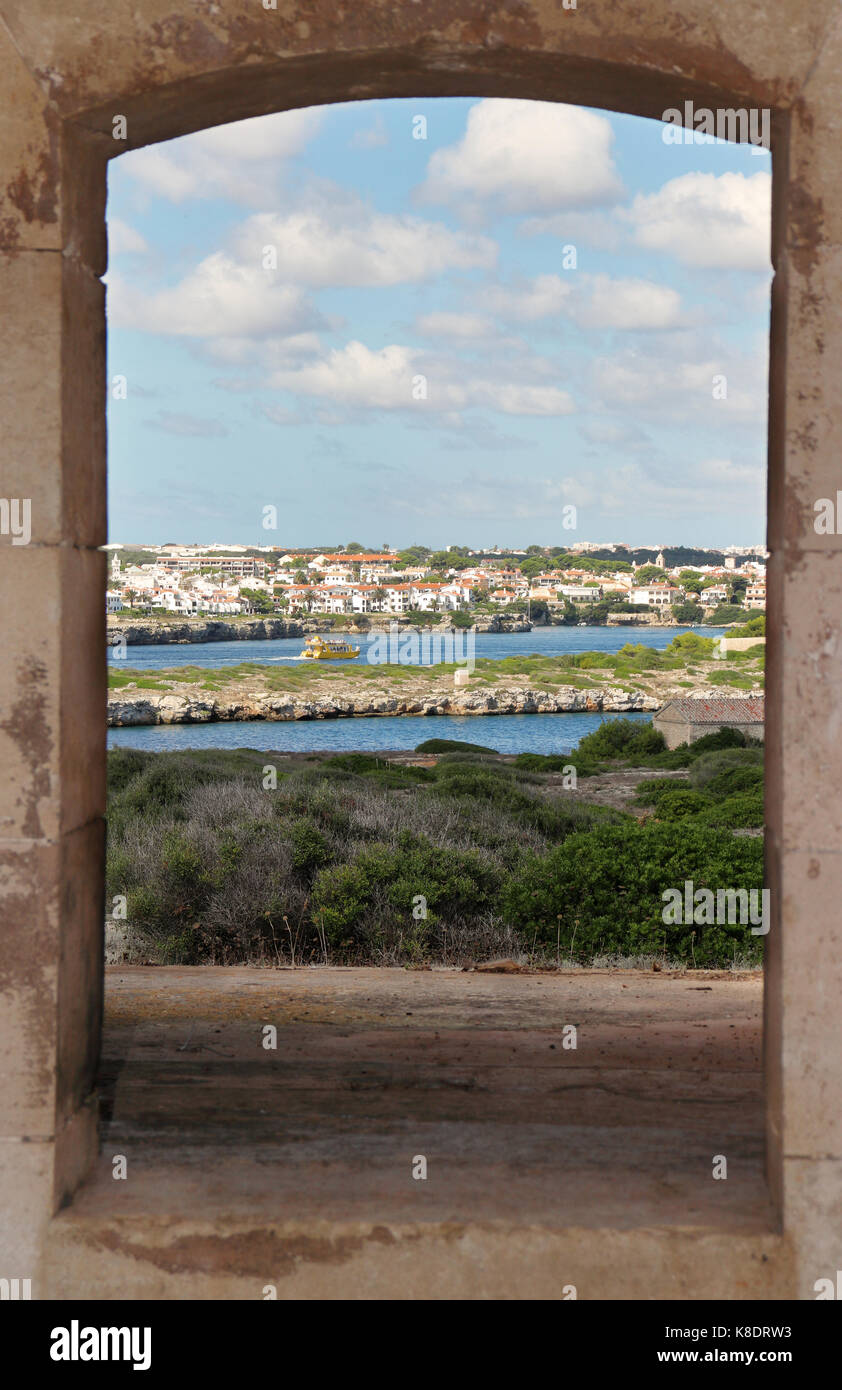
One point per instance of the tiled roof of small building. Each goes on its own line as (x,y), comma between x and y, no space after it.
(746,710)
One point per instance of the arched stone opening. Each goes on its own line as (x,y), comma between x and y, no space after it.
(169,71)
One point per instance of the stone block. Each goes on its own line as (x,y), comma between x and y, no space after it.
(52,690)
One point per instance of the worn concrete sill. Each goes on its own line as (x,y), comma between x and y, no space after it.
(547,1166)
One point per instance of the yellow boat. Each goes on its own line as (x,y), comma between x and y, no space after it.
(328,649)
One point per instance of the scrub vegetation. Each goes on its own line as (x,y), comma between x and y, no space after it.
(234,857)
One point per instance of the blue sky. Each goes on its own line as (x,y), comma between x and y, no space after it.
(389,339)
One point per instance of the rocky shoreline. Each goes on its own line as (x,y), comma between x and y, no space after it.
(126,710)
(149,633)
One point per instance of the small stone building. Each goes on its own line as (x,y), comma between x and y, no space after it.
(685,720)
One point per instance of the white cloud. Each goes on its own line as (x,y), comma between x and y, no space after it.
(357,246)
(444,325)
(629,304)
(358,377)
(657,387)
(371,138)
(598,231)
(527,156)
(219,299)
(514,399)
(123,238)
(525,301)
(720,221)
(594,301)
(187,426)
(238,161)
(602,431)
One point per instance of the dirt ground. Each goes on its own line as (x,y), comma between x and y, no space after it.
(476,1072)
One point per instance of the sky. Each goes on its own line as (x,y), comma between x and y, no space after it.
(438,321)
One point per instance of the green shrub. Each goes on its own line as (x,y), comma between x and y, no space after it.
(723,738)
(709,765)
(604,891)
(724,614)
(557,762)
(355,762)
(476,781)
(309,846)
(382,885)
(755,627)
(691,645)
(377,769)
(680,804)
(650,791)
(124,764)
(621,738)
(743,810)
(735,779)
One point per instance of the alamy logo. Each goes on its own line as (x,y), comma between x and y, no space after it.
(11,1289)
(75,1343)
(703,127)
(411,648)
(703,907)
(16,519)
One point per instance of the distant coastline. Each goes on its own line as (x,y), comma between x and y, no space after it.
(154,632)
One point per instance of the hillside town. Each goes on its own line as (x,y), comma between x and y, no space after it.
(580,583)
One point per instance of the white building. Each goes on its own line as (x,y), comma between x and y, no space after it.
(655,595)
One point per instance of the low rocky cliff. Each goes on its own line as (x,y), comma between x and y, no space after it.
(127,709)
(139,632)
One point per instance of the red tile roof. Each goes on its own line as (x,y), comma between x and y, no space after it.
(746,710)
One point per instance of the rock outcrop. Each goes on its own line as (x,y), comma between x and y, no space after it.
(126,709)
(140,632)
(137,633)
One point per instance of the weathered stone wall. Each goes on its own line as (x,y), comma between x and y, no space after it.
(172,66)
(678,731)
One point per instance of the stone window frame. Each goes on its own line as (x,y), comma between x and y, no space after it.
(198,65)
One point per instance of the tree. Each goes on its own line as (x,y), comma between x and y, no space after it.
(379,595)
(648,573)
(260,602)
(354,548)
(726,613)
(737,586)
(131,595)
(755,627)
(688,612)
